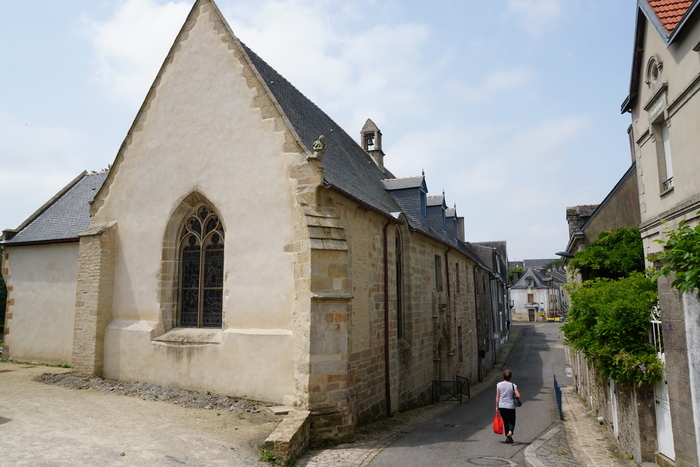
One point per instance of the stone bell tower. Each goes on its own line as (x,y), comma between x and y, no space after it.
(372,142)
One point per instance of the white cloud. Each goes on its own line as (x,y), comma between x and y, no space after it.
(36,161)
(130,46)
(493,84)
(351,69)
(535,16)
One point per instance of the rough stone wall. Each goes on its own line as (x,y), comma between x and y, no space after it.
(93,301)
(322,309)
(291,437)
(635,409)
(484,324)
(677,373)
(621,210)
(433,321)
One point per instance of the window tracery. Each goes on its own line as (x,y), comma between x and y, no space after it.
(201,269)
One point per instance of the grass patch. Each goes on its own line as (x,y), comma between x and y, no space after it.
(267,457)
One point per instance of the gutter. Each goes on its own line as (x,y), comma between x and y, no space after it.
(8,243)
(364,204)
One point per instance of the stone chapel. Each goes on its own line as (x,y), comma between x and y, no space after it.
(243,243)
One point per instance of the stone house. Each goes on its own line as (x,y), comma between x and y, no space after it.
(493,322)
(243,243)
(664,106)
(536,296)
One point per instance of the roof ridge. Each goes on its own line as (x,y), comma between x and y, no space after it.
(404,178)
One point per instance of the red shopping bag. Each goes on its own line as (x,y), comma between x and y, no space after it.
(498,424)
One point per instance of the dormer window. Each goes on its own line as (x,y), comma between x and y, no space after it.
(444,221)
(423,204)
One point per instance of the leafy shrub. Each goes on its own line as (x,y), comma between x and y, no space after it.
(612,255)
(682,257)
(609,322)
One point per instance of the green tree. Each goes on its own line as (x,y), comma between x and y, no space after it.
(609,316)
(609,321)
(554,264)
(681,255)
(513,271)
(612,255)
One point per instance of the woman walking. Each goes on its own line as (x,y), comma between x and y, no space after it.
(506,394)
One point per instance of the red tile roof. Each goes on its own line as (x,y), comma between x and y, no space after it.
(670,12)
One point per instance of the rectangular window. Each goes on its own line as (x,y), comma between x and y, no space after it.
(438,273)
(530,298)
(663,155)
(460,345)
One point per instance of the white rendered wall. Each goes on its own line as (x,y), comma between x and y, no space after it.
(42,279)
(203,133)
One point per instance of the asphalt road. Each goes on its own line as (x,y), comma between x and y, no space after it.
(464,435)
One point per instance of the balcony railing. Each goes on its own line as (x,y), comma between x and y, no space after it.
(668,184)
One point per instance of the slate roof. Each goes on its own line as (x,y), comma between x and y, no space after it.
(541,280)
(436,200)
(403,183)
(537,263)
(346,165)
(63,217)
(670,12)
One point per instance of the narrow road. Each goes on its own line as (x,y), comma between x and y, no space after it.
(464,436)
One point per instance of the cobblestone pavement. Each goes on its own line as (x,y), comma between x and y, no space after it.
(592,444)
(557,452)
(577,442)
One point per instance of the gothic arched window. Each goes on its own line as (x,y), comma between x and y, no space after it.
(201,269)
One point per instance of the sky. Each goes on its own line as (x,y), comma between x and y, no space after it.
(512,107)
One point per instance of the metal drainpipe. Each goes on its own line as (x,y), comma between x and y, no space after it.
(387,370)
(479,369)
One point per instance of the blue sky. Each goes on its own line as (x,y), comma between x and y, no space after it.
(510,106)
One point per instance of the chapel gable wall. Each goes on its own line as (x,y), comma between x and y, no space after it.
(207,127)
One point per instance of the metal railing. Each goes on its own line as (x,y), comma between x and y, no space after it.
(668,184)
(557,392)
(451,390)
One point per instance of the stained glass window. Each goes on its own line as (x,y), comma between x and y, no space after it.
(201,269)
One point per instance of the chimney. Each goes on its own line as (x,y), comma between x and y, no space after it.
(460,228)
(372,142)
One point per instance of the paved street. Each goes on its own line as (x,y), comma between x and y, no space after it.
(465,435)
(49,425)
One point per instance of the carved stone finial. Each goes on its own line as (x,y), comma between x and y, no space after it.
(319,148)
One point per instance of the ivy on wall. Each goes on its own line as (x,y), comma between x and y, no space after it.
(681,256)
(609,316)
